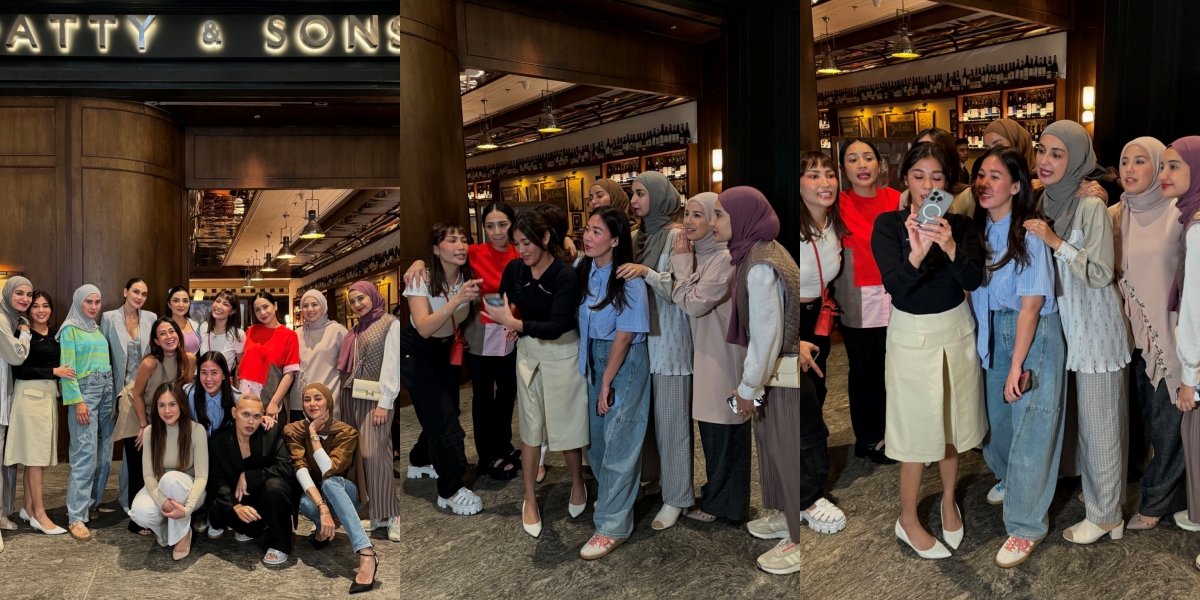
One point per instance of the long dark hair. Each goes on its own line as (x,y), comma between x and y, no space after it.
(49,301)
(437,276)
(920,152)
(269,297)
(1024,207)
(846,145)
(158,430)
(536,223)
(951,166)
(172,292)
(618,226)
(231,331)
(227,399)
(181,360)
(500,206)
(810,229)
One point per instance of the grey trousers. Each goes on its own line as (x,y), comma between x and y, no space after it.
(8,479)
(777,435)
(671,396)
(1103,442)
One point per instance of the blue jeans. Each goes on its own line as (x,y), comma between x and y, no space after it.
(1025,441)
(342,497)
(616,450)
(91,447)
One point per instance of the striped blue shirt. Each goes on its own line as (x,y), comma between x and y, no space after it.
(1003,289)
(604,324)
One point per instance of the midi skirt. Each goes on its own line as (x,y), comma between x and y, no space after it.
(934,385)
(33,424)
(552,399)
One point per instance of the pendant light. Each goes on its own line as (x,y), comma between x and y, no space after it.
(486,142)
(829,64)
(247,284)
(548,123)
(257,275)
(268,262)
(312,229)
(904,44)
(285,249)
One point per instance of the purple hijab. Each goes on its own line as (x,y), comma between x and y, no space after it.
(751,220)
(1189,149)
(378,309)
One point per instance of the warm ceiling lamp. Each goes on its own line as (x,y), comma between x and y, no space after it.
(285,249)
(828,63)
(312,229)
(486,142)
(548,123)
(247,284)
(268,262)
(904,44)
(257,274)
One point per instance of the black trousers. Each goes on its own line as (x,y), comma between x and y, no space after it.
(494,384)
(727,451)
(808,322)
(133,458)
(1139,442)
(276,504)
(814,455)
(433,384)
(865,351)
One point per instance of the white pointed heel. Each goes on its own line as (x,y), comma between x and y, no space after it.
(936,552)
(534,530)
(954,538)
(1086,532)
(577,509)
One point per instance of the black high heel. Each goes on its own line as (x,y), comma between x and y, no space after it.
(358,588)
(318,544)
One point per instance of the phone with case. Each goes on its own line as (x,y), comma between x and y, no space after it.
(936,205)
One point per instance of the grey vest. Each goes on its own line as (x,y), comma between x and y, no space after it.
(774,255)
(368,350)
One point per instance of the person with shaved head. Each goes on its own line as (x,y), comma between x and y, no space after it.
(251,486)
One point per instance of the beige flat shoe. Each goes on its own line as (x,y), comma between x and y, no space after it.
(1141,523)
(701,516)
(7,525)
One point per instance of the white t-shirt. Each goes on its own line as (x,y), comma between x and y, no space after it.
(830,250)
(221,342)
(437,302)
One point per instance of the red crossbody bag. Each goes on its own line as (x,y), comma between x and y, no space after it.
(829,308)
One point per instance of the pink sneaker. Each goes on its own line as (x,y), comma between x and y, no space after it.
(1015,551)
(599,547)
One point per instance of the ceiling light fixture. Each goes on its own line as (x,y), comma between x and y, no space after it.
(248,284)
(257,274)
(548,123)
(904,44)
(486,142)
(268,262)
(285,249)
(312,229)
(829,64)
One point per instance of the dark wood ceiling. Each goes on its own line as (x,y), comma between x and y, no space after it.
(648,16)
(286,112)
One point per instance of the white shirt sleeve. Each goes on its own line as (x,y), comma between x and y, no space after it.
(765,291)
(323,461)
(305,479)
(661,279)
(1187,332)
(389,373)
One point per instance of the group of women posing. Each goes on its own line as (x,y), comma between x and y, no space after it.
(112,371)
(598,349)
(1057,318)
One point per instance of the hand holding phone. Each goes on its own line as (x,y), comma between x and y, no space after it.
(935,206)
(493,299)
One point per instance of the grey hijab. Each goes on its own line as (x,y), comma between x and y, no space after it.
(1059,201)
(6,307)
(664,201)
(76,317)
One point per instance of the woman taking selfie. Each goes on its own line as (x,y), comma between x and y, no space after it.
(933,378)
(865,304)
(1021,345)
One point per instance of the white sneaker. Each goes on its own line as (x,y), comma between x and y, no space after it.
(415,472)
(241,538)
(274,557)
(784,558)
(1181,519)
(370,525)
(1015,551)
(996,494)
(464,502)
(394,529)
(773,526)
(215,533)
(824,518)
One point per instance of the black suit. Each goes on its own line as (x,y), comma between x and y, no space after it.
(271,487)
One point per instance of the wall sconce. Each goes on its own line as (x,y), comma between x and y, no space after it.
(1089,104)
(718,177)
(718,163)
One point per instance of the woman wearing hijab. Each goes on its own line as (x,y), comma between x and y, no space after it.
(655,201)
(370,354)
(1010,133)
(1147,233)
(1079,231)
(320,347)
(90,420)
(765,320)
(703,289)
(606,192)
(1181,179)
(14,349)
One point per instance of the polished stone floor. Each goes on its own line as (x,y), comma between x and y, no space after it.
(866,561)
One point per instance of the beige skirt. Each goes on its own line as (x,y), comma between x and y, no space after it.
(552,400)
(33,424)
(934,385)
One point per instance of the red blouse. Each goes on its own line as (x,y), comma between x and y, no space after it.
(265,347)
(489,263)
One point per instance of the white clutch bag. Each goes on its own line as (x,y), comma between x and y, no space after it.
(786,374)
(369,390)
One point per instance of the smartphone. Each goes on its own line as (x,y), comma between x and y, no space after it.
(936,205)
(1025,383)
(494,299)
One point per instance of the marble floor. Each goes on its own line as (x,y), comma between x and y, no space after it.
(866,561)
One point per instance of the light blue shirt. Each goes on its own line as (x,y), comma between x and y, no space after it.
(212,407)
(604,324)
(1003,289)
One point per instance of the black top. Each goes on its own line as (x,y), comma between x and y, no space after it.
(938,285)
(42,360)
(269,457)
(548,305)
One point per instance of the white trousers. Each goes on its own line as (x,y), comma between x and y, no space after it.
(175,485)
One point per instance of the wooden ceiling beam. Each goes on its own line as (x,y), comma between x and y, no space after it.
(578,93)
(919,20)
(1051,13)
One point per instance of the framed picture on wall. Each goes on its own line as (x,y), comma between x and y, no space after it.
(511,194)
(926,119)
(576,221)
(575,194)
(555,192)
(876,126)
(851,126)
(533,193)
(900,126)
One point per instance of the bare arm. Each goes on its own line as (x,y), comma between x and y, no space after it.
(1027,322)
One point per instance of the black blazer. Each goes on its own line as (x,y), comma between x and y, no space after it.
(269,457)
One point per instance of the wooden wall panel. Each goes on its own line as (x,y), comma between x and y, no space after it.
(28,131)
(221,158)
(28,229)
(132,133)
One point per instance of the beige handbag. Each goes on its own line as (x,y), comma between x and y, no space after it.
(787,372)
(128,425)
(367,390)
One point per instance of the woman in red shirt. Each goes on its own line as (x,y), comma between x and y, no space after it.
(269,345)
(489,357)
